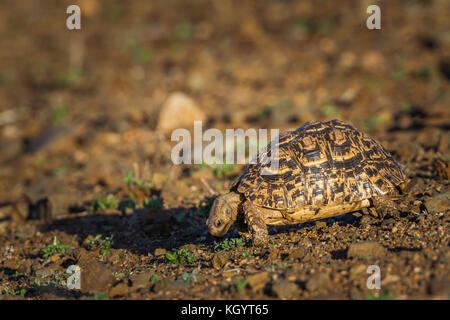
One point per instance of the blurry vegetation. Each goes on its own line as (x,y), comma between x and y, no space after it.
(139,52)
(56,247)
(130,180)
(183,30)
(59,115)
(71,77)
(329,110)
(103,202)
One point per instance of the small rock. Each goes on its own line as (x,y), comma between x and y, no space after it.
(219,260)
(366,249)
(439,202)
(179,111)
(258,281)
(96,277)
(46,272)
(357,270)
(160,252)
(298,254)
(439,286)
(285,289)
(318,281)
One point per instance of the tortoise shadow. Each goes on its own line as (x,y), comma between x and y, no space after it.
(140,232)
(148,229)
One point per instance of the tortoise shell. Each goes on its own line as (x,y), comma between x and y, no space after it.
(320,163)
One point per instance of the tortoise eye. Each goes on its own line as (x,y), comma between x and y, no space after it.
(228,211)
(218,223)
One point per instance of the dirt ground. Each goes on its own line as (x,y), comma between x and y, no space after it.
(86,176)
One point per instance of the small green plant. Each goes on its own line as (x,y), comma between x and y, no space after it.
(72,76)
(329,110)
(98,296)
(11,292)
(189,277)
(227,244)
(241,284)
(139,52)
(245,254)
(153,203)
(102,202)
(183,30)
(55,247)
(371,122)
(182,256)
(304,25)
(118,274)
(60,114)
(385,295)
(103,244)
(155,278)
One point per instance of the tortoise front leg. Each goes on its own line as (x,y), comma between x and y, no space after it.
(255,222)
(384,206)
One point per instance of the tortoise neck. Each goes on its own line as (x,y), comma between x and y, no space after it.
(233,199)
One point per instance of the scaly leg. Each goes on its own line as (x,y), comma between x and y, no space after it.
(255,223)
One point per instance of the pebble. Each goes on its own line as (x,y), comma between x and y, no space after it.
(317,282)
(179,111)
(160,252)
(219,260)
(258,281)
(439,202)
(284,289)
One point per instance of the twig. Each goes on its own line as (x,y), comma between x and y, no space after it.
(211,190)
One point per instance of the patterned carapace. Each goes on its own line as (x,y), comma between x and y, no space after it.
(321,163)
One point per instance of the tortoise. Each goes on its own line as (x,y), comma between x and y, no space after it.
(325,169)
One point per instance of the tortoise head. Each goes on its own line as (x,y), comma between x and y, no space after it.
(223,214)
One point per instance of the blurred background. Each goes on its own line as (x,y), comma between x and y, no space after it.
(86,118)
(79,109)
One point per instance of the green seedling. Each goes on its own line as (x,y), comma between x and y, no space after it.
(60,114)
(98,296)
(183,30)
(103,202)
(182,256)
(189,277)
(139,52)
(55,247)
(245,254)
(155,278)
(227,244)
(241,284)
(103,244)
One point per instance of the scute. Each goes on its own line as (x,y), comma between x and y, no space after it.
(320,163)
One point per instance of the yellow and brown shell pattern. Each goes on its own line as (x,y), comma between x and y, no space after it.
(321,163)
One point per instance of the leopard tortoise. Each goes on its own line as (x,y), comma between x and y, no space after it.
(325,169)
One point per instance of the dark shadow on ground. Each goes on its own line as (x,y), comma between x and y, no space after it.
(147,230)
